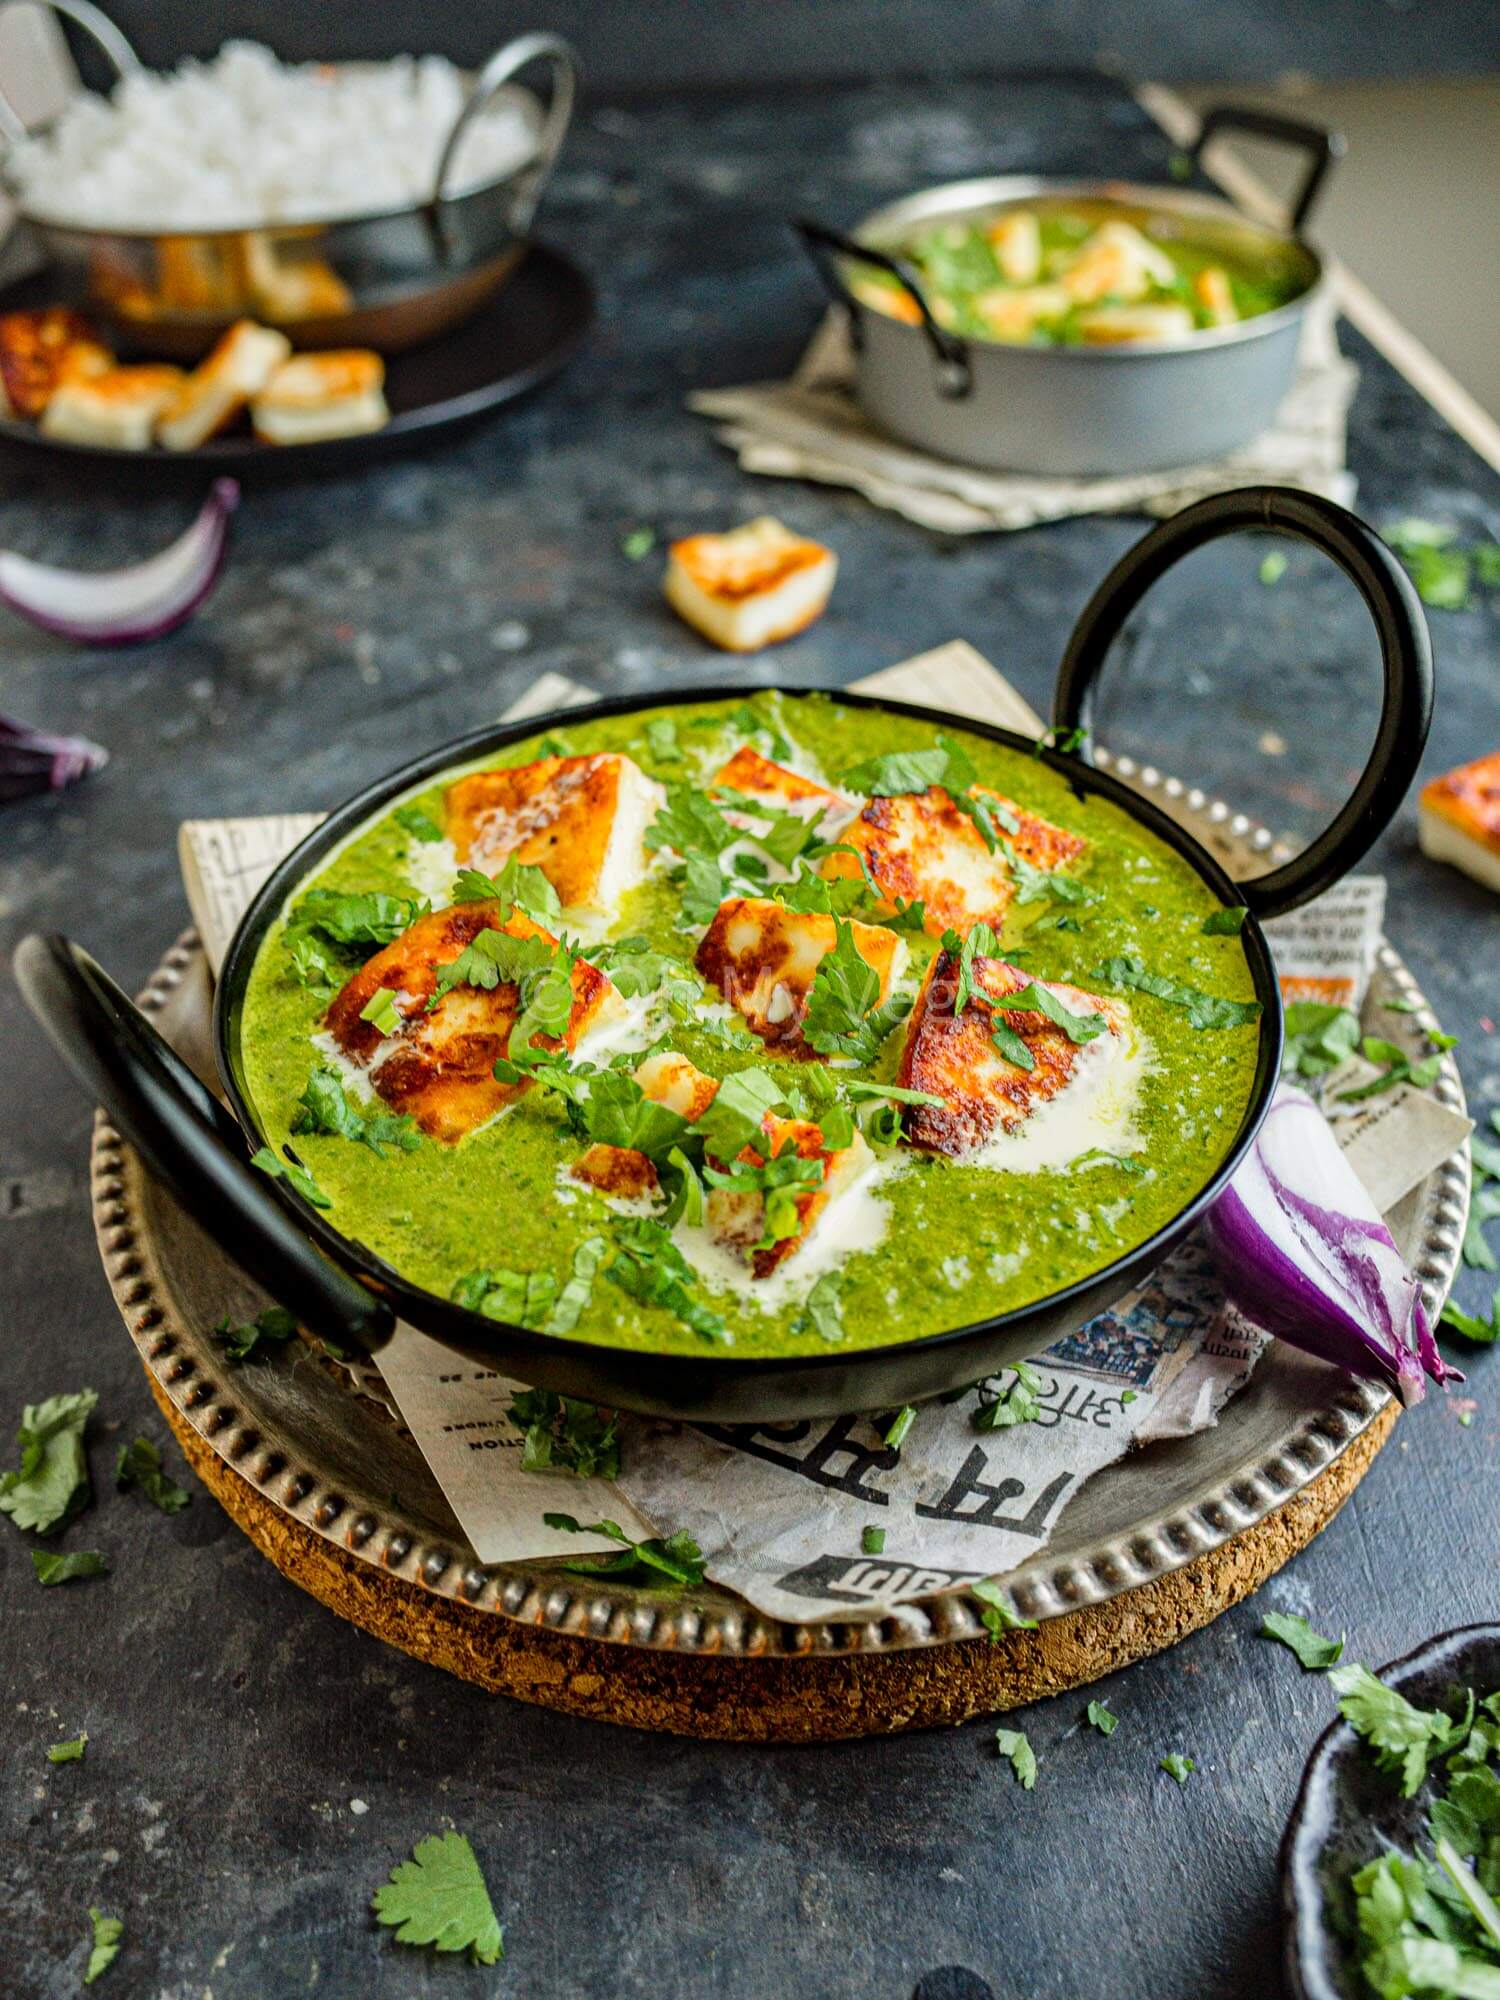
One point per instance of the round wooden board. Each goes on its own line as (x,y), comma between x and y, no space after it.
(778,1700)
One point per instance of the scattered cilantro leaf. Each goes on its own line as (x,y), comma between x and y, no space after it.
(1100,1718)
(823,1309)
(1226,922)
(105,1948)
(995,1613)
(80,1563)
(272,1328)
(69,1752)
(439,1897)
(566,1436)
(872,1541)
(1319,1036)
(522,1298)
(1013,1743)
(678,1558)
(1037,999)
(649,1268)
(1019,1403)
(1273,567)
(325,1107)
(733,1120)
(1177,1766)
(661,740)
(140,1465)
(895,772)
(51,1483)
(1204,1010)
(420,825)
(637,543)
(1485,1332)
(1398,1068)
(297,1176)
(617,1112)
(1064,741)
(1312,1649)
(900,1424)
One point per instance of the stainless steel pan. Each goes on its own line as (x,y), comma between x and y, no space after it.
(384,281)
(1080,411)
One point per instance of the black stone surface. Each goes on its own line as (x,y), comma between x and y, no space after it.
(232,1721)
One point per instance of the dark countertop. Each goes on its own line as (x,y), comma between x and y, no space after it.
(232,1720)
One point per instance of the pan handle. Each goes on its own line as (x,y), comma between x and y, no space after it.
(1322,147)
(955,377)
(501,67)
(1405,657)
(188,1139)
(100,29)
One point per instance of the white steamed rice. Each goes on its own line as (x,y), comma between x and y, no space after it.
(245,140)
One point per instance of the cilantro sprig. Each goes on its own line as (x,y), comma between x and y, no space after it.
(440,1898)
(1203,1010)
(845,1015)
(325,1108)
(675,1563)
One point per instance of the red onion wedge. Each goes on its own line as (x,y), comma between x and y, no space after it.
(120,607)
(1303,1253)
(32,761)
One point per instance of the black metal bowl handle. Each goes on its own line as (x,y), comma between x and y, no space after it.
(955,376)
(188,1139)
(1405,658)
(1322,147)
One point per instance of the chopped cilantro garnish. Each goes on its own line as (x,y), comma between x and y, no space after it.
(1100,1718)
(1035,999)
(1013,1743)
(823,1311)
(290,1171)
(1273,567)
(381,1011)
(679,1558)
(523,1298)
(51,1484)
(637,544)
(140,1465)
(1398,1067)
(634,966)
(739,1106)
(439,1898)
(898,1427)
(1403,1737)
(420,825)
(650,1268)
(1064,741)
(1227,922)
(64,1569)
(105,1947)
(566,1436)
(1319,1036)
(996,1614)
(516,886)
(326,1108)
(872,1541)
(1019,1403)
(310,966)
(371,918)
(1204,1010)
(272,1328)
(778,1181)
(950,766)
(1483,1331)
(845,1016)
(70,1751)
(1177,1766)
(1312,1649)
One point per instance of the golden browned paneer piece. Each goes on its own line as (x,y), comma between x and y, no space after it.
(919,846)
(618,1171)
(286,285)
(581,820)
(222,384)
(1213,291)
(750,587)
(737,1217)
(340,393)
(34,351)
(1115,262)
(1015,315)
(439,1066)
(114,407)
(955,1058)
(773,785)
(1107,326)
(670,1079)
(763,958)
(1017,241)
(1458,819)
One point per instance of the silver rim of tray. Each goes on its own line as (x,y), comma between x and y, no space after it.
(216,1400)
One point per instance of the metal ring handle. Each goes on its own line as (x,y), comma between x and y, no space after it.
(1405,657)
(955,376)
(1323,147)
(95,23)
(187,1138)
(501,67)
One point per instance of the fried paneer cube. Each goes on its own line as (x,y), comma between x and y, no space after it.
(34,351)
(737,1217)
(1116,262)
(438,1066)
(763,958)
(670,1079)
(918,846)
(955,1058)
(115,407)
(780,790)
(621,1172)
(581,820)
(749,587)
(1458,819)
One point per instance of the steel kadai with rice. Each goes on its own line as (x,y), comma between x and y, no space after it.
(765,1027)
(1079,273)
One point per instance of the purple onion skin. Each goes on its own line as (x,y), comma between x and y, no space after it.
(33,761)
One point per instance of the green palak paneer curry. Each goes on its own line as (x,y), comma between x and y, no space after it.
(764,1027)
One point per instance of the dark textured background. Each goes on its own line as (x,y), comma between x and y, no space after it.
(232,1720)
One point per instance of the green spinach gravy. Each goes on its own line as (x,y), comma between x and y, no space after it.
(935,1242)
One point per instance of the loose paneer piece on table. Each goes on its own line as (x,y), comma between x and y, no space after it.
(763,958)
(955,1058)
(581,820)
(919,846)
(780,790)
(754,585)
(1458,819)
(438,1066)
(737,1217)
